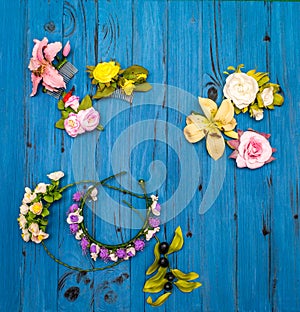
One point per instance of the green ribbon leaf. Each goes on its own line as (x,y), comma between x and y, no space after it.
(185,286)
(45,213)
(153,267)
(48,199)
(61,105)
(85,103)
(100,127)
(60,124)
(57,196)
(143,87)
(184,276)
(107,91)
(154,286)
(160,300)
(64,114)
(278,99)
(177,241)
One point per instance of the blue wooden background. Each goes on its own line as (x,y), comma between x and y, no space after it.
(246,247)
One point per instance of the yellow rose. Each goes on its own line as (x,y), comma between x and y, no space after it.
(37,208)
(106,71)
(128,86)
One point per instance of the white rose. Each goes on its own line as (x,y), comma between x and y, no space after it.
(24,209)
(93,193)
(258,114)
(41,188)
(34,228)
(267,96)
(151,233)
(25,235)
(113,257)
(28,196)
(241,89)
(55,176)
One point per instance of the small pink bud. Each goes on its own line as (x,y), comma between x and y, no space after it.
(67,49)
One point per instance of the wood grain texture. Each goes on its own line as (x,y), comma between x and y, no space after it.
(246,247)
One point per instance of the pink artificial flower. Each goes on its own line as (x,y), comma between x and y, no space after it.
(89,119)
(73,102)
(252,149)
(67,49)
(41,66)
(73,126)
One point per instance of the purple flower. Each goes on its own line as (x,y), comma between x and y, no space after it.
(73,208)
(103,253)
(77,196)
(154,222)
(121,253)
(139,244)
(74,228)
(84,243)
(130,254)
(74,218)
(93,249)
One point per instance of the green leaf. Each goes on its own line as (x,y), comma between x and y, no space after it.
(61,105)
(48,199)
(100,127)
(85,103)
(153,267)
(43,222)
(43,228)
(185,286)
(60,124)
(143,87)
(278,99)
(183,276)
(231,68)
(135,70)
(57,196)
(107,91)
(90,68)
(160,300)
(31,216)
(263,81)
(177,241)
(45,212)
(64,114)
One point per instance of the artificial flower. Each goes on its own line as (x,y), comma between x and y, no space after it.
(103,253)
(74,228)
(156,208)
(55,176)
(22,221)
(28,196)
(139,244)
(267,96)
(24,209)
(84,244)
(130,252)
(73,208)
(79,235)
(128,86)
(77,196)
(151,233)
(67,49)
(74,217)
(211,125)
(73,126)
(88,119)
(241,89)
(73,102)
(34,228)
(154,222)
(93,193)
(25,235)
(36,208)
(41,188)
(39,237)
(113,257)
(257,113)
(104,72)
(41,66)
(251,149)
(94,251)
(121,253)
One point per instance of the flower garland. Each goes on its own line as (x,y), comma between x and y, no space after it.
(54,72)
(252,92)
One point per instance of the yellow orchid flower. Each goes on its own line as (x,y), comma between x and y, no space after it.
(210,126)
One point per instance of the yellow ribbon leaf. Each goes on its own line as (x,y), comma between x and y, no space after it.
(183,276)
(185,286)
(215,144)
(177,241)
(154,286)
(232,134)
(160,300)
(153,267)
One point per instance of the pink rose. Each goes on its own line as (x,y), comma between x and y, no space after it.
(252,149)
(73,126)
(73,102)
(89,119)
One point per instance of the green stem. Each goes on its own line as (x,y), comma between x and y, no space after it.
(123,191)
(77,268)
(135,210)
(61,63)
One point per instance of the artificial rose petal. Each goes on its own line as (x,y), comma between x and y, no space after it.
(208,106)
(67,49)
(35,82)
(234,154)
(52,78)
(234,144)
(240,162)
(51,50)
(270,160)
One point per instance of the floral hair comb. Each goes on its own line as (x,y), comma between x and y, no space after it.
(54,72)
